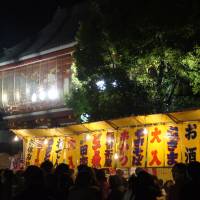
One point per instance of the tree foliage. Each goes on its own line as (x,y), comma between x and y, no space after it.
(145,52)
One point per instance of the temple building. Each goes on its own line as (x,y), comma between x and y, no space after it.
(35,75)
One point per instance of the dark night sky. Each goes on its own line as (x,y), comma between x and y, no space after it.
(19,19)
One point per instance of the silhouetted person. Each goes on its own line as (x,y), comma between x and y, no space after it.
(102,183)
(34,185)
(117,189)
(63,181)
(47,166)
(146,188)
(130,193)
(192,188)
(180,176)
(6,184)
(84,188)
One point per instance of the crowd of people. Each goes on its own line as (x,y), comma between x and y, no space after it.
(63,183)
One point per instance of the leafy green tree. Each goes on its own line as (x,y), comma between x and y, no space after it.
(137,57)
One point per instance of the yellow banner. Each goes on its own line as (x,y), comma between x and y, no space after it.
(191,142)
(71,151)
(139,147)
(156,144)
(172,139)
(124,147)
(153,146)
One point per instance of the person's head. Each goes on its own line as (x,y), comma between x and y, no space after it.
(119,173)
(115,181)
(47,166)
(82,168)
(194,170)
(7,175)
(179,172)
(101,176)
(132,182)
(146,179)
(33,176)
(138,170)
(83,179)
(62,169)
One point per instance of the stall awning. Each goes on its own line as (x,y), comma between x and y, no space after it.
(132,121)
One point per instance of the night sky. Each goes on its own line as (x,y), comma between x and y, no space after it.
(20,19)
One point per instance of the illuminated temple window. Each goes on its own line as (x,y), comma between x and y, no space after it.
(35,86)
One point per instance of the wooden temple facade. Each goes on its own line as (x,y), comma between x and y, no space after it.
(35,75)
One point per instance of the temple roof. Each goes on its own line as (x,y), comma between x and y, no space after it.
(59,32)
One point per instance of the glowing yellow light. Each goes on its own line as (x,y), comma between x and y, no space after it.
(109,140)
(116,156)
(16,139)
(145,131)
(45,142)
(5,98)
(88,137)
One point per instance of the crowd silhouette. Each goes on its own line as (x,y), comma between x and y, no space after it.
(63,183)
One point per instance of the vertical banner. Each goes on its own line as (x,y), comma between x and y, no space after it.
(191,142)
(83,149)
(155,146)
(29,151)
(109,148)
(124,148)
(57,154)
(139,147)
(49,146)
(39,151)
(70,151)
(96,147)
(172,145)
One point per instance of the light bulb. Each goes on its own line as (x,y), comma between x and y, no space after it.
(53,93)
(42,94)
(34,98)
(45,142)
(88,137)
(116,156)
(16,139)
(145,131)
(109,140)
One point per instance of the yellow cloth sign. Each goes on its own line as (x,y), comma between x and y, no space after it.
(161,145)
(139,147)
(155,155)
(124,147)
(172,144)
(190,142)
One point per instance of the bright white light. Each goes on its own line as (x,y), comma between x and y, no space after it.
(53,93)
(42,94)
(114,83)
(109,140)
(84,117)
(101,85)
(116,156)
(45,142)
(88,137)
(17,96)
(27,90)
(16,139)
(5,98)
(145,131)
(34,98)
